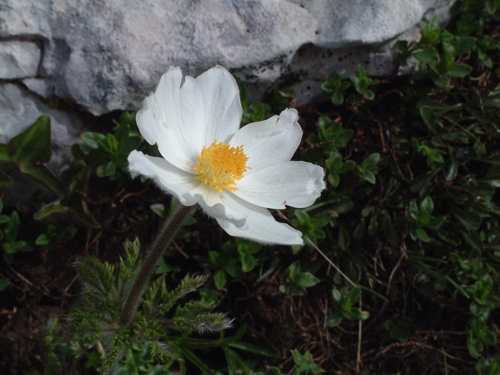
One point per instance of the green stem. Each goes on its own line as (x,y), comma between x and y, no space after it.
(162,242)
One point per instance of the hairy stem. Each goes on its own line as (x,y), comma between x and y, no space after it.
(162,242)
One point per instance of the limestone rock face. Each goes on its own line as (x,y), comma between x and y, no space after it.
(21,108)
(106,55)
(109,54)
(19,59)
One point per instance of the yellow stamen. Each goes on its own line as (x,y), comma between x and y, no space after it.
(221,165)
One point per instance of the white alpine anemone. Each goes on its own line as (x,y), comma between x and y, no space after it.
(234,174)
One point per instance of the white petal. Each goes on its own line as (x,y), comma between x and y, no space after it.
(221,97)
(193,117)
(160,121)
(146,120)
(169,178)
(291,183)
(261,225)
(270,141)
(213,204)
(168,98)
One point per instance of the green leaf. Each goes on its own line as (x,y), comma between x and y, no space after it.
(422,234)
(473,239)
(346,167)
(12,229)
(30,149)
(459,70)
(368,95)
(337,295)
(464,44)
(368,176)
(159,209)
(334,179)
(305,363)
(337,98)
(72,202)
(106,170)
(256,349)
(492,100)
(306,279)
(34,144)
(93,140)
(469,219)
(426,206)
(370,162)
(4,180)
(396,330)
(220,279)
(426,55)
(16,246)
(248,262)
(113,144)
(164,267)
(452,170)
(42,240)
(43,175)
(335,319)
(358,314)
(302,216)
(79,155)
(3,284)
(343,138)
(353,295)
(475,346)
(428,117)
(342,206)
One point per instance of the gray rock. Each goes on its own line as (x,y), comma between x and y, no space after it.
(41,86)
(20,108)
(105,55)
(354,23)
(19,59)
(108,55)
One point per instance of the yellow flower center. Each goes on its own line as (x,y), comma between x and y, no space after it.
(221,165)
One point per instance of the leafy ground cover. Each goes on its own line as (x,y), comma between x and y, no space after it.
(400,272)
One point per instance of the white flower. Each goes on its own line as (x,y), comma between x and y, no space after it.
(234,174)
